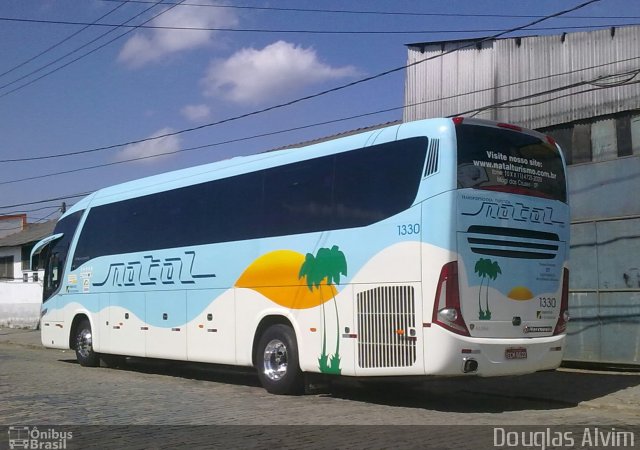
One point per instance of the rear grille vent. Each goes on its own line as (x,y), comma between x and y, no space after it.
(513,242)
(386,318)
(432,157)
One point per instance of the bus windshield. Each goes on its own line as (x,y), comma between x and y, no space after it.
(506,160)
(55,255)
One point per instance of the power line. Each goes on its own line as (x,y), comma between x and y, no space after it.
(73,51)
(296,31)
(594,82)
(84,194)
(200,147)
(300,31)
(477,110)
(598,83)
(37,220)
(308,97)
(372,12)
(548,100)
(71,36)
(595,86)
(133,28)
(22,211)
(42,219)
(530,80)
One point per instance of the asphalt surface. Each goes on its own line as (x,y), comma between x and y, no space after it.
(155,404)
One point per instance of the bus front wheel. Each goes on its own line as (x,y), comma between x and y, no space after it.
(85,354)
(277,361)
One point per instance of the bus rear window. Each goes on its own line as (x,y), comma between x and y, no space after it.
(509,161)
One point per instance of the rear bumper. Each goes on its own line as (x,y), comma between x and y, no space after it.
(445,354)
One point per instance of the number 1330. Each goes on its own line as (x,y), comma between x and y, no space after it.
(411,228)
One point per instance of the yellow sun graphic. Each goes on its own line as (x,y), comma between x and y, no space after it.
(275,275)
(520,293)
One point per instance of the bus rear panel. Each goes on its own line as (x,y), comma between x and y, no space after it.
(501,306)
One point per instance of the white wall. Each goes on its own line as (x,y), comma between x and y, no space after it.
(20,303)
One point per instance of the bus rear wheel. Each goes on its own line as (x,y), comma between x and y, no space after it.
(83,341)
(277,361)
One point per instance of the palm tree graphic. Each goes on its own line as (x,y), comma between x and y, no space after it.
(327,264)
(485,268)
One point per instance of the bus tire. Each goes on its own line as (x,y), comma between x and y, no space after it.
(278,363)
(83,345)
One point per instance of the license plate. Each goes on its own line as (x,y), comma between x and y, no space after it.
(515,353)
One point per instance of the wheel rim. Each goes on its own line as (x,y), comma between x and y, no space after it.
(84,343)
(275,360)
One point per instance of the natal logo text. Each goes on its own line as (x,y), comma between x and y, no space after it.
(151,271)
(518,212)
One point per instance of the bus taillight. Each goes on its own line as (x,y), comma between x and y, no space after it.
(561,326)
(510,126)
(446,309)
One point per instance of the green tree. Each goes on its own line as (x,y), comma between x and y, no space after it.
(327,264)
(482,268)
(485,268)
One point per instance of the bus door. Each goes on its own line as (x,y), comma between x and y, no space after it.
(50,261)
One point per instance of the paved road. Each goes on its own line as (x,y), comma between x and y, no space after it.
(47,387)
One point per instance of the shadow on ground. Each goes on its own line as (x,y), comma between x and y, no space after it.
(193,371)
(538,391)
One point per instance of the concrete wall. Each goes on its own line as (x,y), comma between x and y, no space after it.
(20,304)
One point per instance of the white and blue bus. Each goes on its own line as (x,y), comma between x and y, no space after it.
(436,247)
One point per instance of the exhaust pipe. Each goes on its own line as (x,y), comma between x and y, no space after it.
(469,365)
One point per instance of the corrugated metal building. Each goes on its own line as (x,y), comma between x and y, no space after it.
(583,89)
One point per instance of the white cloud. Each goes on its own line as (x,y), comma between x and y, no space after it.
(154,45)
(196,113)
(252,76)
(147,149)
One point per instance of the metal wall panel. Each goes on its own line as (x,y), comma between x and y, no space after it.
(620,325)
(581,143)
(618,254)
(447,78)
(635,134)
(583,330)
(605,292)
(605,189)
(603,140)
(583,256)
(508,69)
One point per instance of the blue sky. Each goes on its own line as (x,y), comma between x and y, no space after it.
(156,81)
